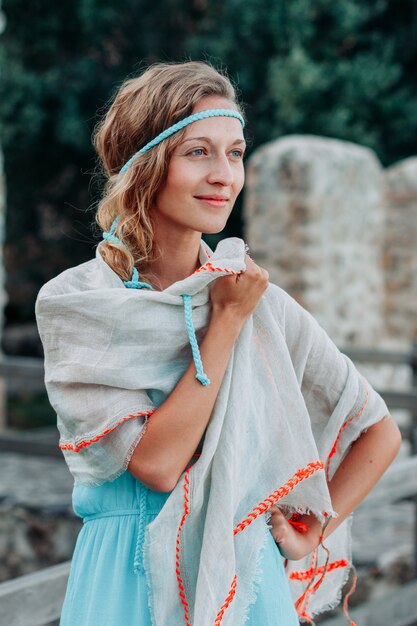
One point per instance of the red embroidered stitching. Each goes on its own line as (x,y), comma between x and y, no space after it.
(342,428)
(227,602)
(273,498)
(209,268)
(308,574)
(325,567)
(85,442)
(178,550)
(302,603)
(300,527)
(262,507)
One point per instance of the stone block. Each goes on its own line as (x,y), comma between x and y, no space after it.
(400,250)
(315,218)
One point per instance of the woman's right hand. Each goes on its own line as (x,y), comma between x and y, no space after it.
(240,293)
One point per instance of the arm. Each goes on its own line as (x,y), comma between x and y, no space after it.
(366,461)
(175,429)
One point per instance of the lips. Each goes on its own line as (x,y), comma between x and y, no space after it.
(217,201)
(214,197)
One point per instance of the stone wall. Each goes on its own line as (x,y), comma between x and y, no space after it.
(37,525)
(400,250)
(315,218)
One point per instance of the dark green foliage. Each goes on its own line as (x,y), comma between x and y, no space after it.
(29,410)
(340,68)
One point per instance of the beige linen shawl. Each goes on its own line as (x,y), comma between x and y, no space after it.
(289,407)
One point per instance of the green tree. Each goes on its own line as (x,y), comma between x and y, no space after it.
(60,63)
(340,68)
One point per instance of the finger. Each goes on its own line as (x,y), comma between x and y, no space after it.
(248,261)
(256,269)
(275,510)
(278,521)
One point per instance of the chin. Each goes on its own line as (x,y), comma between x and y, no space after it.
(213,229)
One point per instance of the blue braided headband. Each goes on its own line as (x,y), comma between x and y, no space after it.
(179,126)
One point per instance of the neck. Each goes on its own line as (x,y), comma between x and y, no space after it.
(178,258)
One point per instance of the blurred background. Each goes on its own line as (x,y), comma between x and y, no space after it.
(330,207)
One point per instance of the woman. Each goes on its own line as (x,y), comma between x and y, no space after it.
(197,402)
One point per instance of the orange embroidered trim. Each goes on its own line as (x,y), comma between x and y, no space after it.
(85,443)
(300,527)
(306,616)
(310,573)
(208,267)
(178,550)
(302,603)
(342,428)
(325,567)
(227,602)
(273,498)
(262,507)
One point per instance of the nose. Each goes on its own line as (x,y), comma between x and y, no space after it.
(221,171)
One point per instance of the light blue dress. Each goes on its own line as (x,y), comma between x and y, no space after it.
(106,589)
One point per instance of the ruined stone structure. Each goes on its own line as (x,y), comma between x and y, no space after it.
(37,525)
(400,251)
(315,218)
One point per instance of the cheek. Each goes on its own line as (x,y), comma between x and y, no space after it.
(182,176)
(173,186)
(240,180)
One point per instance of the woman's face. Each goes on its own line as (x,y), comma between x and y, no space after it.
(205,173)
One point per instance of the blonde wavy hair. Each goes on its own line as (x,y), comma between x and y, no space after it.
(142,108)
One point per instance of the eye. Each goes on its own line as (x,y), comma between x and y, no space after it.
(238,154)
(197,151)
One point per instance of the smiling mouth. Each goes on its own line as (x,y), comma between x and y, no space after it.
(213,200)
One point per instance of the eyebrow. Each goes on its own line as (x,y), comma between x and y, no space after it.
(237,141)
